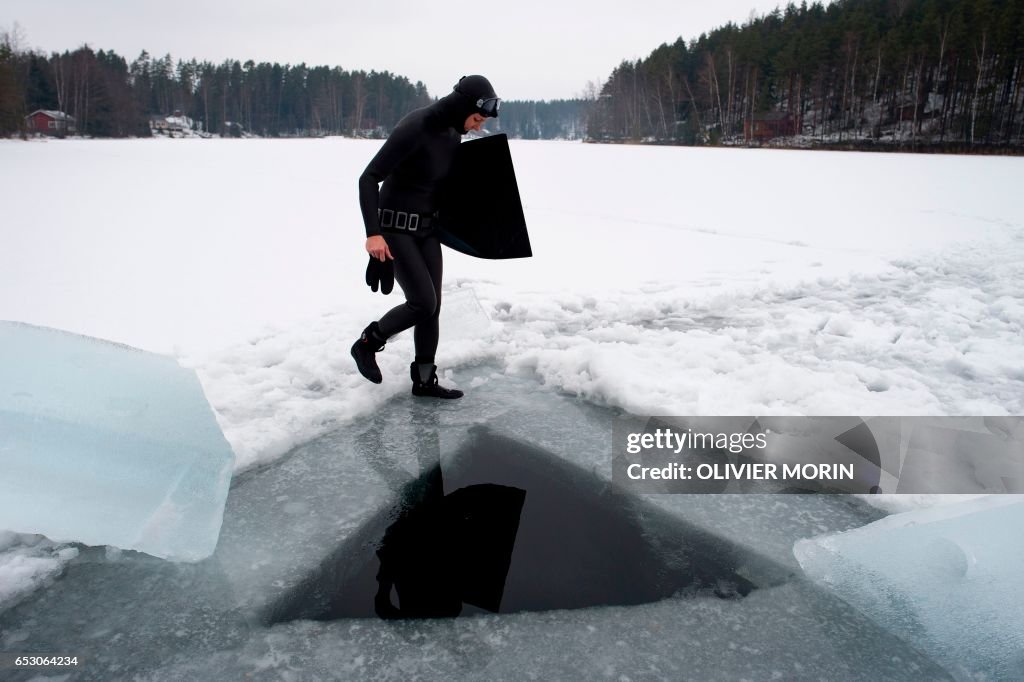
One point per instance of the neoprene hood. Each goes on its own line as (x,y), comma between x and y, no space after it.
(478,95)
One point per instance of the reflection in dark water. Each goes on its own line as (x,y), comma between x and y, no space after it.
(447,550)
(520,529)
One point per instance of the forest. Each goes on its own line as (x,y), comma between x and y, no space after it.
(925,75)
(855,72)
(109,97)
(561,119)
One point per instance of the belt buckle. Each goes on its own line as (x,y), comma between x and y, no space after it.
(414,222)
(387,217)
(401,220)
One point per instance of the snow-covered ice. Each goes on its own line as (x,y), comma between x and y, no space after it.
(947,579)
(666,280)
(27,561)
(107,445)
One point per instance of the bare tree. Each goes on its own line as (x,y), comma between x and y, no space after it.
(977,85)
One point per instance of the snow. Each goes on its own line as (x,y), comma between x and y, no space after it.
(28,561)
(665,281)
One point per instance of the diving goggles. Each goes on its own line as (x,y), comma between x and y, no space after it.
(488,107)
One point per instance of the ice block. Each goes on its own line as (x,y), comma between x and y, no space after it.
(947,579)
(105,444)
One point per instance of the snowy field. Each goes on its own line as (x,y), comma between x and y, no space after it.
(664,281)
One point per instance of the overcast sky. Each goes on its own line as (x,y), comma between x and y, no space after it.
(535,49)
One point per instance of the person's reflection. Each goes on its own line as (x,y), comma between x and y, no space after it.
(442,550)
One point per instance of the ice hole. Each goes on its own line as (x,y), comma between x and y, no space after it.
(503,527)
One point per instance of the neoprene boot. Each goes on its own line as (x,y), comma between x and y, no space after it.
(424,382)
(365,348)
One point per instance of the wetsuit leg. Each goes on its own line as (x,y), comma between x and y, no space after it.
(426,334)
(418,272)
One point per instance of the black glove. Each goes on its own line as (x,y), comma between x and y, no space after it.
(382,273)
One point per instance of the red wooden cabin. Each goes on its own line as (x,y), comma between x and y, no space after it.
(50,122)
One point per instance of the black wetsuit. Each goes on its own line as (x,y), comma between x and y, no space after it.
(413,163)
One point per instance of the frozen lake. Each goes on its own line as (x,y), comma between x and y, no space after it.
(665,281)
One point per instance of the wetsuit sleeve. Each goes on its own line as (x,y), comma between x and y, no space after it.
(402,142)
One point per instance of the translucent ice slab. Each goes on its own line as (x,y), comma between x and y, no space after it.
(107,445)
(947,579)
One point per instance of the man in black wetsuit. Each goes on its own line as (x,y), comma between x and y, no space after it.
(401,223)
